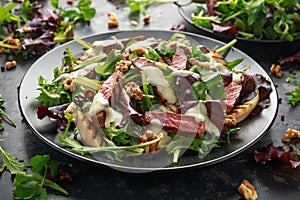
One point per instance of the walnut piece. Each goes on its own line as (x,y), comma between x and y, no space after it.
(247,190)
(134,91)
(10,64)
(123,65)
(276,69)
(113,20)
(290,134)
(14,41)
(69,84)
(147,137)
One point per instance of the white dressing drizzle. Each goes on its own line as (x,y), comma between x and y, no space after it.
(97,48)
(156,78)
(200,113)
(102,104)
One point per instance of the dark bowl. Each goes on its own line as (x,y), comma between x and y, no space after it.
(268,50)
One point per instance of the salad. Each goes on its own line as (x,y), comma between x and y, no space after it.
(146,97)
(251,19)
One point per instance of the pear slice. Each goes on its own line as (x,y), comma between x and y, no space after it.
(88,132)
(240,112)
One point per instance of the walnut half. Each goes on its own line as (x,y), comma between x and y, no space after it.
(247,190)
(290,134)
(276,69)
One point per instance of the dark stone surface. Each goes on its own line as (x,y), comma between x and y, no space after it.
(273,180)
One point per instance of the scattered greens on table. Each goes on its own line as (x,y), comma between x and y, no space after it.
(295,96)
(141,5)
(251,19)
(29,29)
(33,184)
(4,115)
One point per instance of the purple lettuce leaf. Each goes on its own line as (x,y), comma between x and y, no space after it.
(55,113)
(269,152)
(229,29)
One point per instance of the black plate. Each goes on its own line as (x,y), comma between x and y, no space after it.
(260,49)
(251,129)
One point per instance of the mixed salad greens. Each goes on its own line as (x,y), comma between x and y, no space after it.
(251,19)
(27,29)
(148,96)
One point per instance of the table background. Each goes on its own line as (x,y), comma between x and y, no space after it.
(273,180)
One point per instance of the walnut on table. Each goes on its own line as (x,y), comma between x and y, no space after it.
(10,64)
(276,69)
(113,20)
(290,134)
(247,190)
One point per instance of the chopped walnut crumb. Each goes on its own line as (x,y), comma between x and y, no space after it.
(147,137)
(13,41)
(26,29)
(290,134)
(123,66)
(69,84)
(146,19)
(276,69)
(133,23)
(247,190)
(113,20)
(140,51)
(133,90)
(10,64)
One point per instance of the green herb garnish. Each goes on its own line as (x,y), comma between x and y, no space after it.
(31,185)
(2,113)
(295,99)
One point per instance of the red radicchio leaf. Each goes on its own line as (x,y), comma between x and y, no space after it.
(54,113)
(60,176)
(41,44)
(211,5)
(291,155)
(43,20)
(292,58)
(297,22)
(270,14)
(230,30)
